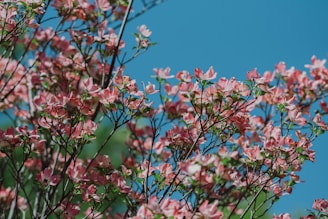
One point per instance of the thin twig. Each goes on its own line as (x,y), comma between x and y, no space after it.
(111,68)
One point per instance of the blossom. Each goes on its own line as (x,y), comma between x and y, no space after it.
(7,195)
(47,177)
(103,5)
(194,168)
(254,153)
(89,193)
(282,216)
(108,96)
(296,116)
(184,76)
(252,74)
(150,88)
(163,73)
(69,210)
(8,137)
(321,205)
(144,31)
(318,120)
(280,67)
(88,86)
(63,3)
(209,75)
(83,128)
(316,63)
(210,210)
(90,213)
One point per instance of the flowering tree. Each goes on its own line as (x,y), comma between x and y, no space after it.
(213,147)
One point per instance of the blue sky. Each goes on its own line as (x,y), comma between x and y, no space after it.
(236,36)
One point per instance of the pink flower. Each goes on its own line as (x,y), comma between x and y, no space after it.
(210,210)
(280,67)
(209,75)
(318,120)
(76,171)
(70,210)
(144,31)
(184,76)
(7,195)
(280,165)
(296,116)
(316,63)
(144,212)
(194,168)
(90,213)
(32,1)
(102,161)
(253,153)
(308,217)
(33,164)
(103,5)
(282,216)
(108,96)
(120,182)
(8,138)
(47,177)
(252,74)
(159,147)
(59,4)
(171,90)
(89,193)
(189,118)
(150,88)
(88,86)
(166,171)
(163,73)
(83,128)
(321,205)
(323,106)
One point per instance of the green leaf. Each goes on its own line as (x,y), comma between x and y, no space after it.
(157,177)
(281,107)
(318,131)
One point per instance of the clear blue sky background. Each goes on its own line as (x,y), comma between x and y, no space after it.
(235,36)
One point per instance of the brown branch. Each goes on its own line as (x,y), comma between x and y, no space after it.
(111,69)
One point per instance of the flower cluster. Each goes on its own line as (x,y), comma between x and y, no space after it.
(212,148)
(216,148)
